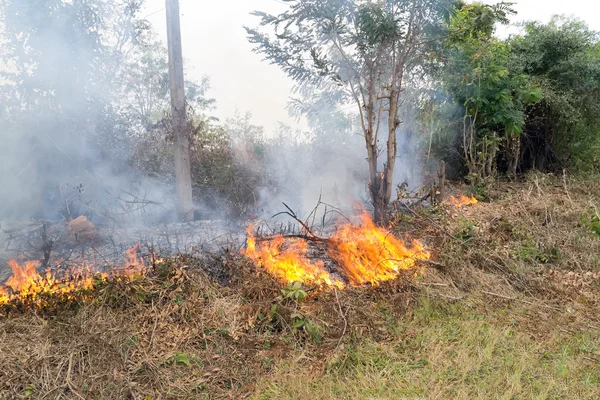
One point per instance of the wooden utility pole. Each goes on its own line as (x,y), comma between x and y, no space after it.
(183,175)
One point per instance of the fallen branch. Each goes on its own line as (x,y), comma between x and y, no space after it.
(69,384)
(292,236)
(432,284)
(292,214)
(421,200)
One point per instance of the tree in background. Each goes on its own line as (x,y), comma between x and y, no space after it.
(563,58)
(145,88)
(367,51)
(528,102)
(60,67)
(479,76)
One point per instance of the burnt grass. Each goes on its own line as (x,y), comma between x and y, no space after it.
(509,309)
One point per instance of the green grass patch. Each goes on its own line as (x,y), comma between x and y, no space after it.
(448,351)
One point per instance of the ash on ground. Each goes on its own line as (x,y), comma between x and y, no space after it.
(104,246)
(63,245)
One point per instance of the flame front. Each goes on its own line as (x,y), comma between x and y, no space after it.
(288,263)
(365,253)
(461,201)
(371,255)
(27,284)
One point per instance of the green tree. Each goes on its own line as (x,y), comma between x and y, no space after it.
(366,52)
(479,75)
(145,84)
(563,58)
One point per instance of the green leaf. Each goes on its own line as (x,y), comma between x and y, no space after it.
(298,323)
(183,358)
(273,310)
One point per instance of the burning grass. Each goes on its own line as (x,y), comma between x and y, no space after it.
(365,253)
(287,261)
(460,201)
(371,255)
(27,288)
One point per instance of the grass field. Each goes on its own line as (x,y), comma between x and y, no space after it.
(508,310)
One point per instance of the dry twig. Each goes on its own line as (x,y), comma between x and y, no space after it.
(343,317)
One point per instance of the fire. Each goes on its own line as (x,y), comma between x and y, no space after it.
(28,284)
(461,201)
(365,253)
(288,263)
(133,264)
(4,297)
(370,255)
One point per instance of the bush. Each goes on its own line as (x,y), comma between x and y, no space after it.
(223,182)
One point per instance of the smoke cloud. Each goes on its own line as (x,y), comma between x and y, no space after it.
(68,134)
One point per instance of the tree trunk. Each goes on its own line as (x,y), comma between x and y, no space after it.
(392,149)
(491,156)
(469,143)
(441,189)
(376,181)
(183,178)
(514,151)
(378,198)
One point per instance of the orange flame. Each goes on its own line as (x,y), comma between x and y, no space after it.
(4,297)
(366,254)
(371,255)
(27,284)
(461,201)
(289,263)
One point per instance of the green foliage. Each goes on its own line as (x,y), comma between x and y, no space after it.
(294,292)
(528,102)
(301,322)
(595,224)
(563,58)
(466,230)
(481,191)
(376,26)
(221,179)
(480,76)
(592,219)
(530,252)
(228,162)
(280,317)
(476,21)
(180,358)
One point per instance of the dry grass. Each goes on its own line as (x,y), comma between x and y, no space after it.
(511,311)
(173,335)
(161,337)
